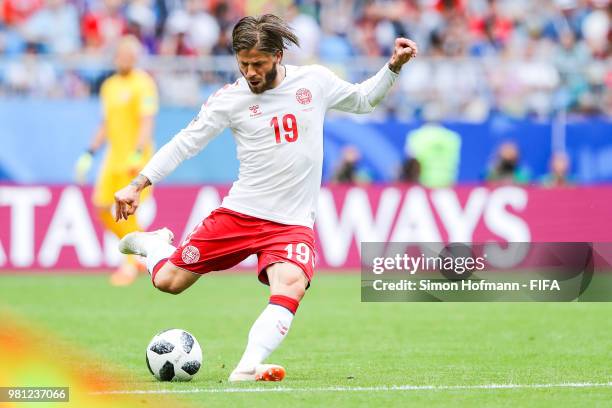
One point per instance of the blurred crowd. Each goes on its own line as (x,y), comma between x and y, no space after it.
(519,57)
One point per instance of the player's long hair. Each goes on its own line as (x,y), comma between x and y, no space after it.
(267,33)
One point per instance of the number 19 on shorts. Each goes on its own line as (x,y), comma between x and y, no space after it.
(301,252)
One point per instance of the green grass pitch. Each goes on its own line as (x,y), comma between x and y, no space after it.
(339,352)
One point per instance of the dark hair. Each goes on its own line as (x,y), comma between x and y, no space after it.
(267,33)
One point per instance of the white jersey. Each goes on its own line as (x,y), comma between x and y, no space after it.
(279,138)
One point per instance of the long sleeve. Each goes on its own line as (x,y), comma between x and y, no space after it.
(358,98)
(211,120)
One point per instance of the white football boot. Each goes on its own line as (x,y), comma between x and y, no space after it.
(262,372)
(135,243)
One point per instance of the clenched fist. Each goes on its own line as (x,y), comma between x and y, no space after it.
(403,52)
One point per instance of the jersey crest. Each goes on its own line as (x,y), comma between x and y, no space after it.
(303,96)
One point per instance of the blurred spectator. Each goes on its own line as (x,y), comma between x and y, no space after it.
(570,59)
(492,27)
(436,150)
(141,23)
(538,78)
(309,33)
(15,12)
(175,41)
(201,31)
(410,171)
(349,171)
(30,75)
(559,171)
(506,168)
(226,15)
(102,28)
(55,26)
(596,31)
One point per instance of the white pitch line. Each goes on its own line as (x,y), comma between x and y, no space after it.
(358,389)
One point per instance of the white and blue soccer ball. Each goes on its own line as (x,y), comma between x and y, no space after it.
(174,355)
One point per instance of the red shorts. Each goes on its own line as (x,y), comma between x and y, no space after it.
(225,238)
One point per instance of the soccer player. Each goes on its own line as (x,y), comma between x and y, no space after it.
(129,104)
(276,112)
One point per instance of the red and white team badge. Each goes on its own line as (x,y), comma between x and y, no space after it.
(190,254)
(303,96)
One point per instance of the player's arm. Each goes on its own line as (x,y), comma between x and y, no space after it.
(148,108)
(85,160)
(363,97)
(211,120)
(145,136)
(98,139)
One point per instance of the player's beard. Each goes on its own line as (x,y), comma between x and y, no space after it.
(266,83)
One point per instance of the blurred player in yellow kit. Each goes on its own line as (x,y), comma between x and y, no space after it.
(129,104)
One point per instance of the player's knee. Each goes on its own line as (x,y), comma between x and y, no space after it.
(166,283)
(169,288)
(173,280)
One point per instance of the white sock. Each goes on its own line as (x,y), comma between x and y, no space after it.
(265,336)
(156,251)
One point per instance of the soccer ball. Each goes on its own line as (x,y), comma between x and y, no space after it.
(174,354)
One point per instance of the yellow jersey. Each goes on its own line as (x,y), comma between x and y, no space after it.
(125,100)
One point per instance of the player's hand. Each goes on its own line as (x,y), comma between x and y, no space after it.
(126,202)
(82,167)
(403,52)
